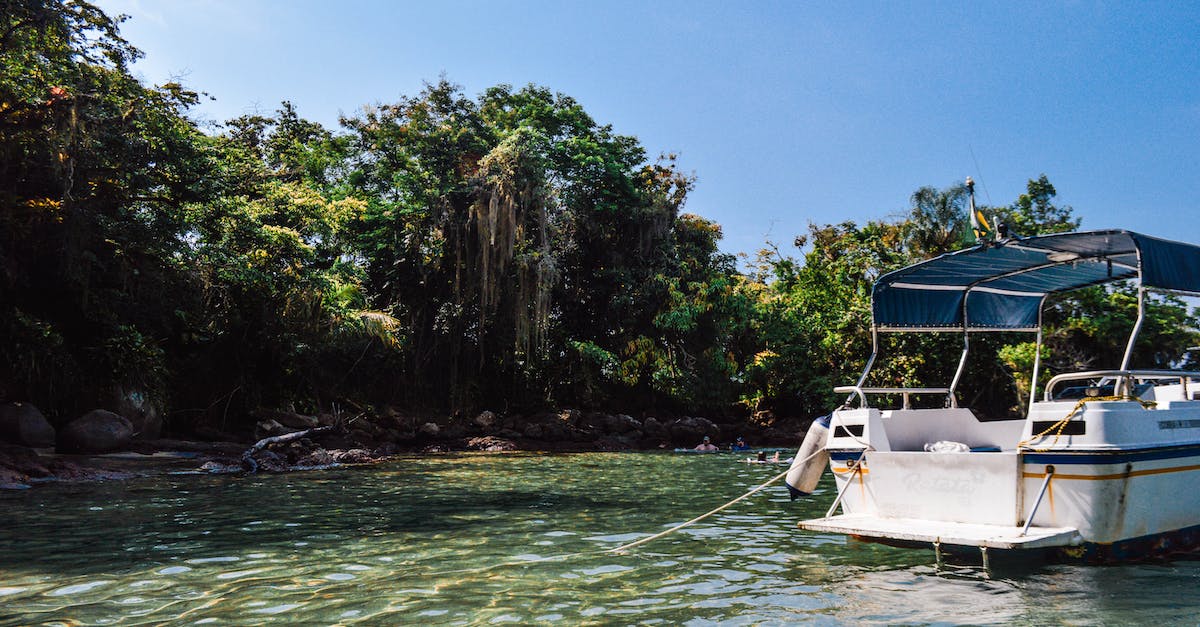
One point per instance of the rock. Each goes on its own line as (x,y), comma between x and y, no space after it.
(317,457)
(614,443)
(534,432)
(269,428)
(24,424)
(386,449)
(97,431)
(690,430)
(622,423)
(218,468)
(653,427)
(13,480)
(141,411)
(429,429)
(572,417)
(269,461)
(364,424)
(209,434)
(17,465)
(486,420)
(297,421)
(353,456)
(491,444)
(361,438)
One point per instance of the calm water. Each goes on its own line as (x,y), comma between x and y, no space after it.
(381,545)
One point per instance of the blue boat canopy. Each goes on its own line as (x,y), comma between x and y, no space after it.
(1000,286)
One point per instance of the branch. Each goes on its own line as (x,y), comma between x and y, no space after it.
(248,457)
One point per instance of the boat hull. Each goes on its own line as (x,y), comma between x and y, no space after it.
(1097,506)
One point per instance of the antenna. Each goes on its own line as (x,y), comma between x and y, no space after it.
(979,171)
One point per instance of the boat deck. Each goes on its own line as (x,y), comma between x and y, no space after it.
(938,532)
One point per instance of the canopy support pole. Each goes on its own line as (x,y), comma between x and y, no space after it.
(870,362)
(1037,358)
(952,400)
(1125,387)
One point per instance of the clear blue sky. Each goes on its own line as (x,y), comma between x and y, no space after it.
(786,112)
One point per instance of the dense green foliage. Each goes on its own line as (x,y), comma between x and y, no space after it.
(441,252)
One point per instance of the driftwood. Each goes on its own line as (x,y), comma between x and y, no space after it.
(248,457)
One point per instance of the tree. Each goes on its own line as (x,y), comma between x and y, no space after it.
(93,168)
(937,222)
(1034,213)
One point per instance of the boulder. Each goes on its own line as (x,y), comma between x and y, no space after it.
(362,438)
(268,429)
(297,421)
(141,411)
(429,429)
(24,424)
(97,431)
(486,420)
(572,417)
(654,428)
(453,431)
(622,423)
(691,429)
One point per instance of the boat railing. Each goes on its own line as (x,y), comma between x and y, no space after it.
(905,393)
(1124,380)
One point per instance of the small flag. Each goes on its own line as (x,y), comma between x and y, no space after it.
(979,222)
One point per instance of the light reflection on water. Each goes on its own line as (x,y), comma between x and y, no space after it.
(435,539)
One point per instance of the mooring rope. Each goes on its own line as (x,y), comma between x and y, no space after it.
(640,542)
(705,515)
(1061,425)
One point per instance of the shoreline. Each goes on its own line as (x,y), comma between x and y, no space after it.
(24,468)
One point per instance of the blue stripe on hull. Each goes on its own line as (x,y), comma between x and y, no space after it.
(1092,456)
(1112,457)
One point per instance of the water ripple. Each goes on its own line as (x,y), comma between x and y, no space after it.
(366,547)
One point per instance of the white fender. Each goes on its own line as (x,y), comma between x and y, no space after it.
(810,461)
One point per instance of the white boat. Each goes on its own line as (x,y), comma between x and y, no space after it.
(1102,467)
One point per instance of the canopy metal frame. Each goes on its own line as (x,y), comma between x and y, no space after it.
(1186,282)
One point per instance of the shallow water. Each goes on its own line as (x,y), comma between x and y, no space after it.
(453,540)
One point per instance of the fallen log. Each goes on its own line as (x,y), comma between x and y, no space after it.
(251,466)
